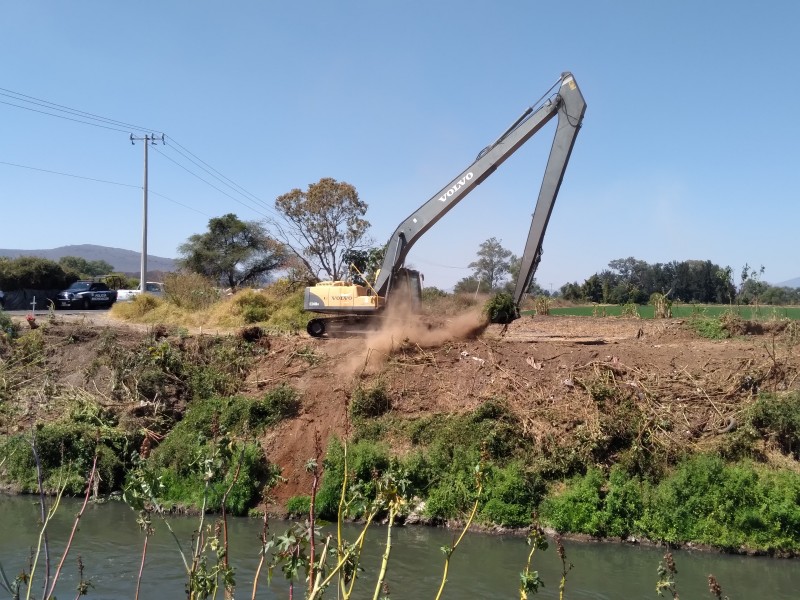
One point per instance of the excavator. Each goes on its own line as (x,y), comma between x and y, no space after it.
(351,307)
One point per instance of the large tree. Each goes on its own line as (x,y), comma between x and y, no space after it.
(322,224)
(366,262)
(493,264)
(232,251)
(34,273)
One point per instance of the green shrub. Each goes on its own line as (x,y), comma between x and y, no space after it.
(66,451)
(370,402)
(579,508)
(254,307)
(778,418)
(454,491)
(366,460)
(282,402)
(432,293)
(709,327)
(511,495)
(623,503)
(243,461)
(728,506)
(206,419)
(31,272)
(289,316)
(501,308)
(298,506)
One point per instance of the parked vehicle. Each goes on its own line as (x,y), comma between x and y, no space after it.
(86,295)
(151,287)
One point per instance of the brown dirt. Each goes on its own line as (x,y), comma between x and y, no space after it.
(547,368)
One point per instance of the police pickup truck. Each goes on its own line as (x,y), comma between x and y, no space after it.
(86,295)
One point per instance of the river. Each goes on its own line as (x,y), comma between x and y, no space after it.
(484,566)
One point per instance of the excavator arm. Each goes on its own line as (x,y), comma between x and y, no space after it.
(568,104)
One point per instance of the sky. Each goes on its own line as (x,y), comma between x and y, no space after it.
(688,150)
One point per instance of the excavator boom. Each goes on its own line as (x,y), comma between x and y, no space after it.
(565,101)
(568,104)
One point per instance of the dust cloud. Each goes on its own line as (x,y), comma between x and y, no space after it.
(400,327)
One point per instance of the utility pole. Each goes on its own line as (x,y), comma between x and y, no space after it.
(147,139)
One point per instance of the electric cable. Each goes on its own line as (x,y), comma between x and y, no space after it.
(130,185)
(223,192)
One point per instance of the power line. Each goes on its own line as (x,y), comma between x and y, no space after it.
(243,190)
(2,162)
(63,117)
(46,107)
(223,192)
(200,163)
(20,97)
(130,185)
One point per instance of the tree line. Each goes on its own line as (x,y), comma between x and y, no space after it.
(319,232)
(630,280)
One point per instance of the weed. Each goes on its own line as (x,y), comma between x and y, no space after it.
(190,290)
(370,402)
(541,304)
(777,419)
(501,308)
(709,327)
(138,307)
(298,506)
(662,306)
(307,354)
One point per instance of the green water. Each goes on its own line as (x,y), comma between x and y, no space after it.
(484,566)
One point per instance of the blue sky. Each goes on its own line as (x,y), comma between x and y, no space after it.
(689,147)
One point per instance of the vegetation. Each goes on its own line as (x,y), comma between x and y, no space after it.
(232,252)
(29,272)
(687,311)
(501,308)
(192,302)
(493,264)
(322,225)
(366,264)
(85,269)
(693,281)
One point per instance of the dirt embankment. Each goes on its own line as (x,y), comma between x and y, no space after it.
(550,370)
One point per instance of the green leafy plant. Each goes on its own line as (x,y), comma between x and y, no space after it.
(501,308)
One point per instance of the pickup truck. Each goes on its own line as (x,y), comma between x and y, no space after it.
(86,295)
(151,287)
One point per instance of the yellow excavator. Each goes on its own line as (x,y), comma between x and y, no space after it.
(350,307)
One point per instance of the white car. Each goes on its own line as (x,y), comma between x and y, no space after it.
(151,287)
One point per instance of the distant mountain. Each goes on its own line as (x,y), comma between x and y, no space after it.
(794,283)
(124,261)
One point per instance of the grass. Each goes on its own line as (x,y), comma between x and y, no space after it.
(277,308)
(684,311)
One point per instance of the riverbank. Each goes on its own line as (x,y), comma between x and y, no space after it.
(110,544)
(605,427)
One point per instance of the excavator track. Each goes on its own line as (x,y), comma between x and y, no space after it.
(346,326)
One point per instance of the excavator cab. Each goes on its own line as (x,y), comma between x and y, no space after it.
(406,290)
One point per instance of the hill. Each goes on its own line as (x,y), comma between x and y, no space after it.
(793,283)
(125,261)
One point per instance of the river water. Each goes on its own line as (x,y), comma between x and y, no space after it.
(484,566)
